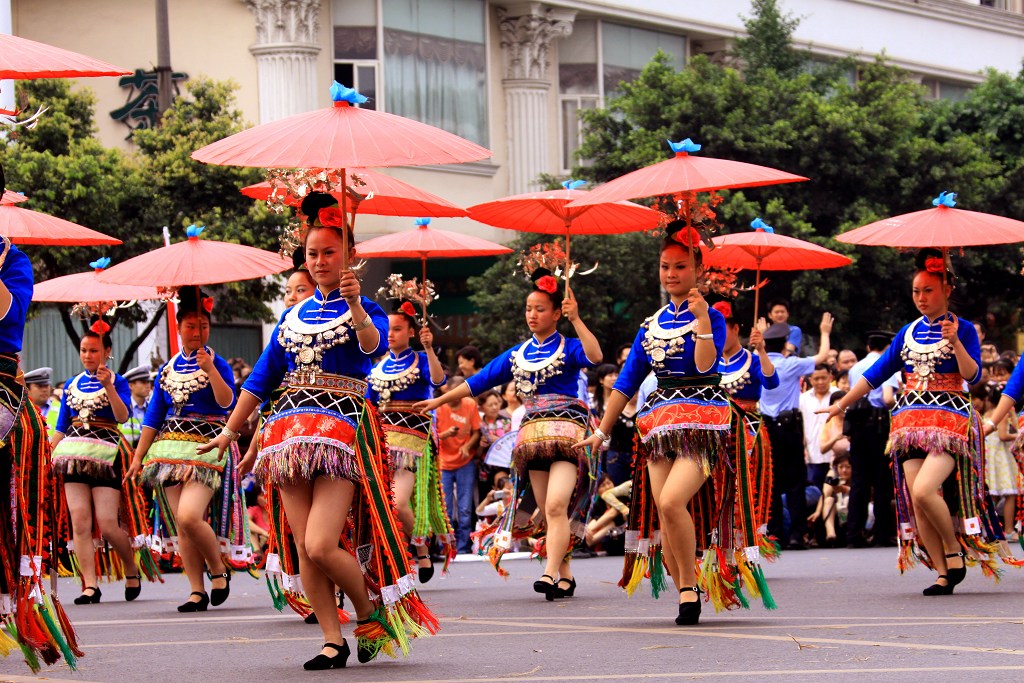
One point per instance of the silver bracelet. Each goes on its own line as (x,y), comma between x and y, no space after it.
(363,324)
(704,337)
(229,433)
(601,435)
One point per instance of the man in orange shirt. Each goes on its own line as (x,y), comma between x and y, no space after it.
(458,431)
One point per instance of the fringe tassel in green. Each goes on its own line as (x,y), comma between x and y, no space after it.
(276,594)
(46,612)
(762,587)
(657,574)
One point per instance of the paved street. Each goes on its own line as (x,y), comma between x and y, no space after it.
(844,614)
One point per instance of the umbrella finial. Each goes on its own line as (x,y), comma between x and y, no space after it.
(946,199)
(193,231)
(760,226)
(573,184)
(421,222)
(684,147)
(340,93)
(100,263)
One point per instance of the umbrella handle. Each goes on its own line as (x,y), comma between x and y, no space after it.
(423,284)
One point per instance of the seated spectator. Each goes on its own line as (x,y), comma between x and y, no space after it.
(843,381)
(494,424)
(989,353)
(834,502)
(616,512)
(469,361)
(832,441)
(259,524)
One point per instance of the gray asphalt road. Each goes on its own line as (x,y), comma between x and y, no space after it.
(844,614)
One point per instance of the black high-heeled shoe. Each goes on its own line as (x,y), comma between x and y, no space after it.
(938,588)
(565,592)
(84,599)
(322,662)
(425,573)
(545,588)
(219,595)
(196,605)
(132,592)
(689,612)
(955,576)
(364,651)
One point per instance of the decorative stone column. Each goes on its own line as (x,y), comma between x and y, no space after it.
(527,30)
(286,49)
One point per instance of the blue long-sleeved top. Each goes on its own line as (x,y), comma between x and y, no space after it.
(343,359)
(201,402)
(420,390)
(87,383)
(16,275)
(564,383)
(1015,385)
(638,364)
(751,391)
(925,332)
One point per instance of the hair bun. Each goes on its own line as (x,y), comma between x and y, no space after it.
(538,273)
(299,258)
(314,201)
(677,231)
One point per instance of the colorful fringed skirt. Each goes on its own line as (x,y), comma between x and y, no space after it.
(407,432)
(685,417)
(322,426)
(92,454)
(172,459)
(551,425)
(32,622)
(311,432)
(939,418)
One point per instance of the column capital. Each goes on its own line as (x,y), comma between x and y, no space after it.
(527,29)
(285,21)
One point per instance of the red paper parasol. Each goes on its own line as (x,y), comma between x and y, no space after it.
(10,197)
(550,212)
(425,242)
(24,59)
(942,227)
(23,226)
(195,262)
(86,287)
(764,249)
(685,173)
(384,196)
(342,136)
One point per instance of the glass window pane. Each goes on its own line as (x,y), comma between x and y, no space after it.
(627,49)
(366,78)
(577,59)
(354,12)
(435,66)
(355,42)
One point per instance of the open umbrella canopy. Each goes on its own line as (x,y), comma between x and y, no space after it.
(23,226)
(385,196)
(10,197)
(341,136)
(686,173)
(425,242)
(551,212)
(765,249)
(941,227)
(196,262)
(21,58)
(83,287)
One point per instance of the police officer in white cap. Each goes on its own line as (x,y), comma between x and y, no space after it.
(140,379)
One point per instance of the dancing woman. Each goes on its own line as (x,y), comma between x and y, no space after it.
(683,427)
(90,452)
(322,445)
(402,378)
(32,622)
(935,433)
(546,368)
(195,495)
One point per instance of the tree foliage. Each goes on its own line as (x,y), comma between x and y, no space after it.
(67,172)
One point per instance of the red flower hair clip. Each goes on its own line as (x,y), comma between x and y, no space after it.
(208,304)
(547,283)
(408,309)
(725,308)
(331,217)
(935,264)
(688,237)
(100,327)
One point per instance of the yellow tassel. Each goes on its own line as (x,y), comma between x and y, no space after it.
(747,576)
(639,570)
(7,644)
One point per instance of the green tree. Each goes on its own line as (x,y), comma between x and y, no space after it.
(768,44)
(66,171)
